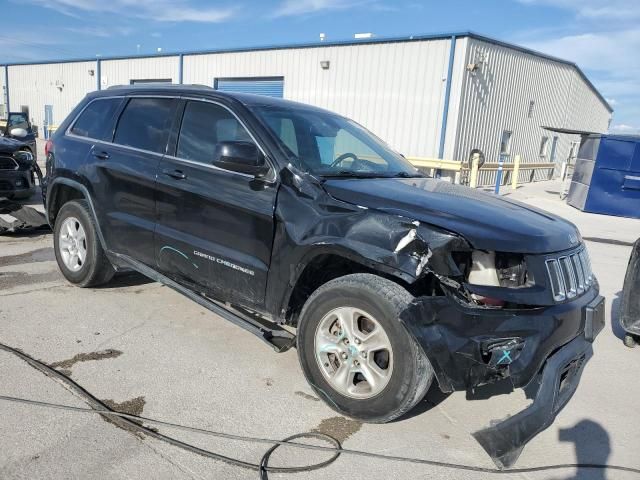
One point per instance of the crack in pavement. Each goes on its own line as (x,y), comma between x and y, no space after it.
(64,366)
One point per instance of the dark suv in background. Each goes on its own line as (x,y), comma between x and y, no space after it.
(278,215)
(17,156)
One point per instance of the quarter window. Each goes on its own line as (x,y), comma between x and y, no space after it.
(144,124)
(96,118)
(203,126)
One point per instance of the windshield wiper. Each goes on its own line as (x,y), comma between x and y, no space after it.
(353,174)
(408,175)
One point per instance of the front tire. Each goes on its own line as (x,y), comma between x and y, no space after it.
(630,341)
(79,254)
(355,352)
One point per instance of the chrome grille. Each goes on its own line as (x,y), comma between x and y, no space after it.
(8,163)
(570,275)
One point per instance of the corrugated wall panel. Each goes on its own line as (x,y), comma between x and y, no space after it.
(3,98)
(394,89)
(497,97)
(454,118)
(62,85)
(121,72)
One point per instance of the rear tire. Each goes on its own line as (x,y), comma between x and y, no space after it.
(77,247)
(356,354)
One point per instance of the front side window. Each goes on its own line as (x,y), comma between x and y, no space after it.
(94,121)
(203,126)
(329,145)
(144,124)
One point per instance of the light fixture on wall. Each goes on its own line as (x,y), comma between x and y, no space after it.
(325,64)
(59,85)
(91,72)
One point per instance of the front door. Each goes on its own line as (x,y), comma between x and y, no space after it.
(215,227)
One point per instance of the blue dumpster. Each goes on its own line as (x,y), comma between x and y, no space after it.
(606,177)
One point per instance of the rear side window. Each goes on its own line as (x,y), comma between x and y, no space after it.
(95,120)
(203,126)
(144,124)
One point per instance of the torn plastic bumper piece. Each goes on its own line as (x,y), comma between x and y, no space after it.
(542,350)
(555,384)
(22,217)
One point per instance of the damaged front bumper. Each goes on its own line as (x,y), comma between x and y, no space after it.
(543,349)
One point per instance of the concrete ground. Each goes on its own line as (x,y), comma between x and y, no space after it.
(147,349)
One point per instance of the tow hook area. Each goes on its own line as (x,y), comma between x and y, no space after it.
(502,352)
(556,384)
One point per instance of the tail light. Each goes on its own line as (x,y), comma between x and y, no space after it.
(48,147)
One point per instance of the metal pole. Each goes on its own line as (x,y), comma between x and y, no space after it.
(516,172)
(499,174)
(447,96)
(99,74)
(180,68)
(6,87)
(473,180)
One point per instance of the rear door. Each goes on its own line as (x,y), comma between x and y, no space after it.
(215,227)
(126,175)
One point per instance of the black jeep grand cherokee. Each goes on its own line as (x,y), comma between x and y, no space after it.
(276,214)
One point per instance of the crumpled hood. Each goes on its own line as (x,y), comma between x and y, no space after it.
(487,221)
(9,145)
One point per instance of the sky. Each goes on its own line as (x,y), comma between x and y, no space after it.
(601,36)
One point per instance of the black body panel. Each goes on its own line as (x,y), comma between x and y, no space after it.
(488,221)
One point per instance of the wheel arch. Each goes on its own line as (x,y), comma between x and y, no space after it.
(64,190)
(318,267)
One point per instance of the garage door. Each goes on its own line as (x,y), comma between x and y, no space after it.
(270,86)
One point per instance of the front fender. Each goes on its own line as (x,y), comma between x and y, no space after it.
(309,223)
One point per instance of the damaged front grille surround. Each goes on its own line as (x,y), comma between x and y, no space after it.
(8,163)
(569,275)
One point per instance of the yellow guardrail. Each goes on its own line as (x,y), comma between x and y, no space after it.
(459,166)
(451,165)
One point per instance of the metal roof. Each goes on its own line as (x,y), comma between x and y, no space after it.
(248,99)
(369,41)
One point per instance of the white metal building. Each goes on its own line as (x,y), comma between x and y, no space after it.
(435,96)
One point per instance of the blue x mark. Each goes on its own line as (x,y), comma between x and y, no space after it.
(506,357)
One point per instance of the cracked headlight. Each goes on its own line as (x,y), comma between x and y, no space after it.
(497,269)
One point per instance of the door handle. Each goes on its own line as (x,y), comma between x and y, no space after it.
(101,155)
(177,174)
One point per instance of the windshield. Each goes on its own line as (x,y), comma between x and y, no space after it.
(329,145)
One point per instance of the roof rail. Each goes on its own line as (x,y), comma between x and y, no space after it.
(160,85)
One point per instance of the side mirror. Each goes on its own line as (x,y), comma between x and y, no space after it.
(18,132)
(241,157)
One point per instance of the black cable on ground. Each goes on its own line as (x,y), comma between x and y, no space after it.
(135,422)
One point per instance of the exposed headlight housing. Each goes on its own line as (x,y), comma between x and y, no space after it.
(496,269)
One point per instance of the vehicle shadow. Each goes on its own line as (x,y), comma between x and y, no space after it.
(433,398)
(592,446)
(483,392)
(616,328)
(125,279)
